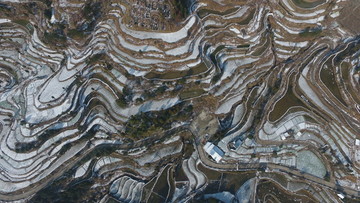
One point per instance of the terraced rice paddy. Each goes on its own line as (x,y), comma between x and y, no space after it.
(120,108)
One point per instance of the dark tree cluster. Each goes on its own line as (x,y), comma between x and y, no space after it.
(139,124)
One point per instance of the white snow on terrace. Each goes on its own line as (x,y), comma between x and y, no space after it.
(224,196)
(131,71)
(291,44)
(335,14)
(313,13)
(36,41)
(191,165)
(238,114)
(115,85)
(34,52)
(66,3)
(122,7)
(310,21)
(223,144)
(115,13)
(3,20)
(171,140)
(288,6)
(34,115)
(66,74)
(186,48)
(58,137)
(290,31)
(236,82)
(53,89)
(231,65)
(199,5)
(211,22)
(227,105)
(46,170)
(153,55)
(103,161)
(134,152)
(193,64)
(142,171)
(19,156)
(159,154)
(240,12)
(179,192)
(82,169)
(77,57)
(126,44)
(126,58)
(119,76)
(127,189)
(256,22)
(253,39)
(235,30)
(133,47)
(277,35)
(167,37)
(200,177)
(152,106)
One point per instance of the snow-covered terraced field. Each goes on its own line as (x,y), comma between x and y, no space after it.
(280,79)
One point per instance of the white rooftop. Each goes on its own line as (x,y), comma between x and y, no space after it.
(341,196)
(215,152)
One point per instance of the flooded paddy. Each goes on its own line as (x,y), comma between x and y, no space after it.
(162,187)
(287,101)
(308,3)
(210,174)
(147,189)
(179,174)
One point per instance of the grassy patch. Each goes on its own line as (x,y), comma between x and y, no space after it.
(307,4)
(248,18)
(191,93)
(21,22)
(76,34)
(287,101)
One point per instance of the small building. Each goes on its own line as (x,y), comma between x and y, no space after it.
(341,196)
(214,151)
